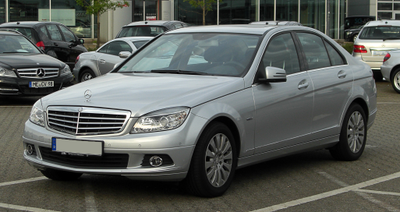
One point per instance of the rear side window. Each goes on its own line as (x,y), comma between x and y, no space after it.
(380,32)
(314,50)
(334,55)
(28,32)
(139,44)
(54,33)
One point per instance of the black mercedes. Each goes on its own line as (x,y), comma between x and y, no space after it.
(26,70)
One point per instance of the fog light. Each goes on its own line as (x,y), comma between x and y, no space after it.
(156,161)
(30,149)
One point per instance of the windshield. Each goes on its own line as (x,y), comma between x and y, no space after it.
(141,31)
(206,53)
(380,33)
(16,44)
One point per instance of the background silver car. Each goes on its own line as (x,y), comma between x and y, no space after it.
(391,69)
(375,40)
(92,64)
(197,103)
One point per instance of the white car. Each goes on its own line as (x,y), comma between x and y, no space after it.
(375,40)
(93,64)
(391,69)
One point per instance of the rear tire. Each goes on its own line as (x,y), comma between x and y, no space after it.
(60,175)
(395,80)
(353,135)
(86,74)
(214,162)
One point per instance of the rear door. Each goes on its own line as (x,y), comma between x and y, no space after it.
(332,79)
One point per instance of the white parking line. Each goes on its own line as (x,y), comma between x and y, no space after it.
(22,181)
(355,187)
(23,208)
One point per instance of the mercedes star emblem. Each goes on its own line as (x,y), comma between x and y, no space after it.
(40,73)
(87,94)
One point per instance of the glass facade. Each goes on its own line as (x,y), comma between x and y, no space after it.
(311,13)
(66,12)
(389,9)
(2,11)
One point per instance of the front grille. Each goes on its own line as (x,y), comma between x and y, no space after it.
(86,121)
(109,161)
(38,73)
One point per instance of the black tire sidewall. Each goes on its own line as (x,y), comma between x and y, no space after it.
(392,79)
(197,174)
(84,72)
(343,147)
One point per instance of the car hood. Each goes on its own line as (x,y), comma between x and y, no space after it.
(29,60)
(144,93)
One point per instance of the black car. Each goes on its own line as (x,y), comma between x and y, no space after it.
(55,39)
(26,70)
(149,28)
(351,34)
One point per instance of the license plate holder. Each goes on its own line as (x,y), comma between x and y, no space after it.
(379,53)
(41,84)
(77,147)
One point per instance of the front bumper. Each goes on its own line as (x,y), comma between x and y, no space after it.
(20,86)
(123,155)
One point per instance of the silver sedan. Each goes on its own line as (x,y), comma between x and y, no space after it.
(92,64)
(391,69)
(197,103)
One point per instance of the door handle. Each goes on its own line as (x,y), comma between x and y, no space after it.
(342,74)
(55,44)
(303,85)
(102,61)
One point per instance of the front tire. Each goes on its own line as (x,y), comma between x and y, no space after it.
(60,175)
(86,74)
(395,80)
(353,135)
(214,162)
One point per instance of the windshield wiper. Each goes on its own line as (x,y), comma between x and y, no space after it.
(178,72)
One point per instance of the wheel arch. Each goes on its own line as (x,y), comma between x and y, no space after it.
(232,127)
(363,105)
(392,71)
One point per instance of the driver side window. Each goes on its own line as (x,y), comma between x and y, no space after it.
(281,53)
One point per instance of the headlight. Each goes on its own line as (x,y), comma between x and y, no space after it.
(37,114)
(162,120)
(7,73)
(348,33)
(66,70)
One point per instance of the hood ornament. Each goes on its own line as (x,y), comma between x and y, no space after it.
(87,95)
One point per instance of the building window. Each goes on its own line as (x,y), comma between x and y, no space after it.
(237,11)
(186,13)
(2,11)
(312,14)
(287,10)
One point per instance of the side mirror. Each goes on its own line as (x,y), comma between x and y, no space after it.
(274,74)
(81,41)
(124,54)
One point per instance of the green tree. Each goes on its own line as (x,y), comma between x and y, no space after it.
(98,7)
(205,5)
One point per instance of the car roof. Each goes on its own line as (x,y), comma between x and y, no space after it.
(383,22)
(26,23)
(256,29)
(153,23)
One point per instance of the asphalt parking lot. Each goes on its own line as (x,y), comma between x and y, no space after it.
(311,181)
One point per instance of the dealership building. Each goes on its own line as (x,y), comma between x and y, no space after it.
(325,15)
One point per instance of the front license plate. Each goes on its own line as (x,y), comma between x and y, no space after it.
(41,84)
(379,53)
(77,146)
